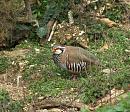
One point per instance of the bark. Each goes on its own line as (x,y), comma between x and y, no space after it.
(28,10)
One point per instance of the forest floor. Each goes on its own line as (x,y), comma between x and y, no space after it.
(28,73)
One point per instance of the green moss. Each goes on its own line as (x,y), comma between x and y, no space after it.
(52,86)
(4,64)
(7,104)
(4,96)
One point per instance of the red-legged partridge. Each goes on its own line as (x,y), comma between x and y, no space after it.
(73,59)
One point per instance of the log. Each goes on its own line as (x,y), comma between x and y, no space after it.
(54,103)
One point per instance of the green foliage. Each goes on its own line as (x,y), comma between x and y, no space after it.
(51,86)
(116,12)
(96,31)
(16,106)
(4,96)
(93,87)
(38,62)
(41,31)
(84,110)
(29,43)
(4,64)
(118,35)
(38,11)
(56,9)
(7,104)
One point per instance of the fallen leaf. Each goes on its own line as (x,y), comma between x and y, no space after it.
(105,47)
(68,36)
(108,22)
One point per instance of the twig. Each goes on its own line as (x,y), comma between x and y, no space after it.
(70,17)
(18,80)
(126,2)
(52,31)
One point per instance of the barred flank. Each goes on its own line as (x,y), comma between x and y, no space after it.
(76,67)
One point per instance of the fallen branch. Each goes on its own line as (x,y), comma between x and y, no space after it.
(126,2)
(52,31)
(70,17)
(52,103)
(49,27)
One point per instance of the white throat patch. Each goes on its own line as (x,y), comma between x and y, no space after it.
(58,51)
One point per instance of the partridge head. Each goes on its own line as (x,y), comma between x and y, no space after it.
(73,59)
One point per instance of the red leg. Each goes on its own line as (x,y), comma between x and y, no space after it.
(74,76)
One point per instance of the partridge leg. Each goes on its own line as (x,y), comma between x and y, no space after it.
(74,76)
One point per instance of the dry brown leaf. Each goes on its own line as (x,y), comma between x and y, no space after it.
(108,22)
(68,36)
(105,47)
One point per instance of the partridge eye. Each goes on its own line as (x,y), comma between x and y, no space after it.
(56,48)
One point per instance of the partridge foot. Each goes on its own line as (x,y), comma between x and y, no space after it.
(74,77)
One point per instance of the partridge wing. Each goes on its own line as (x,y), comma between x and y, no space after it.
(77,54)
(89,57)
